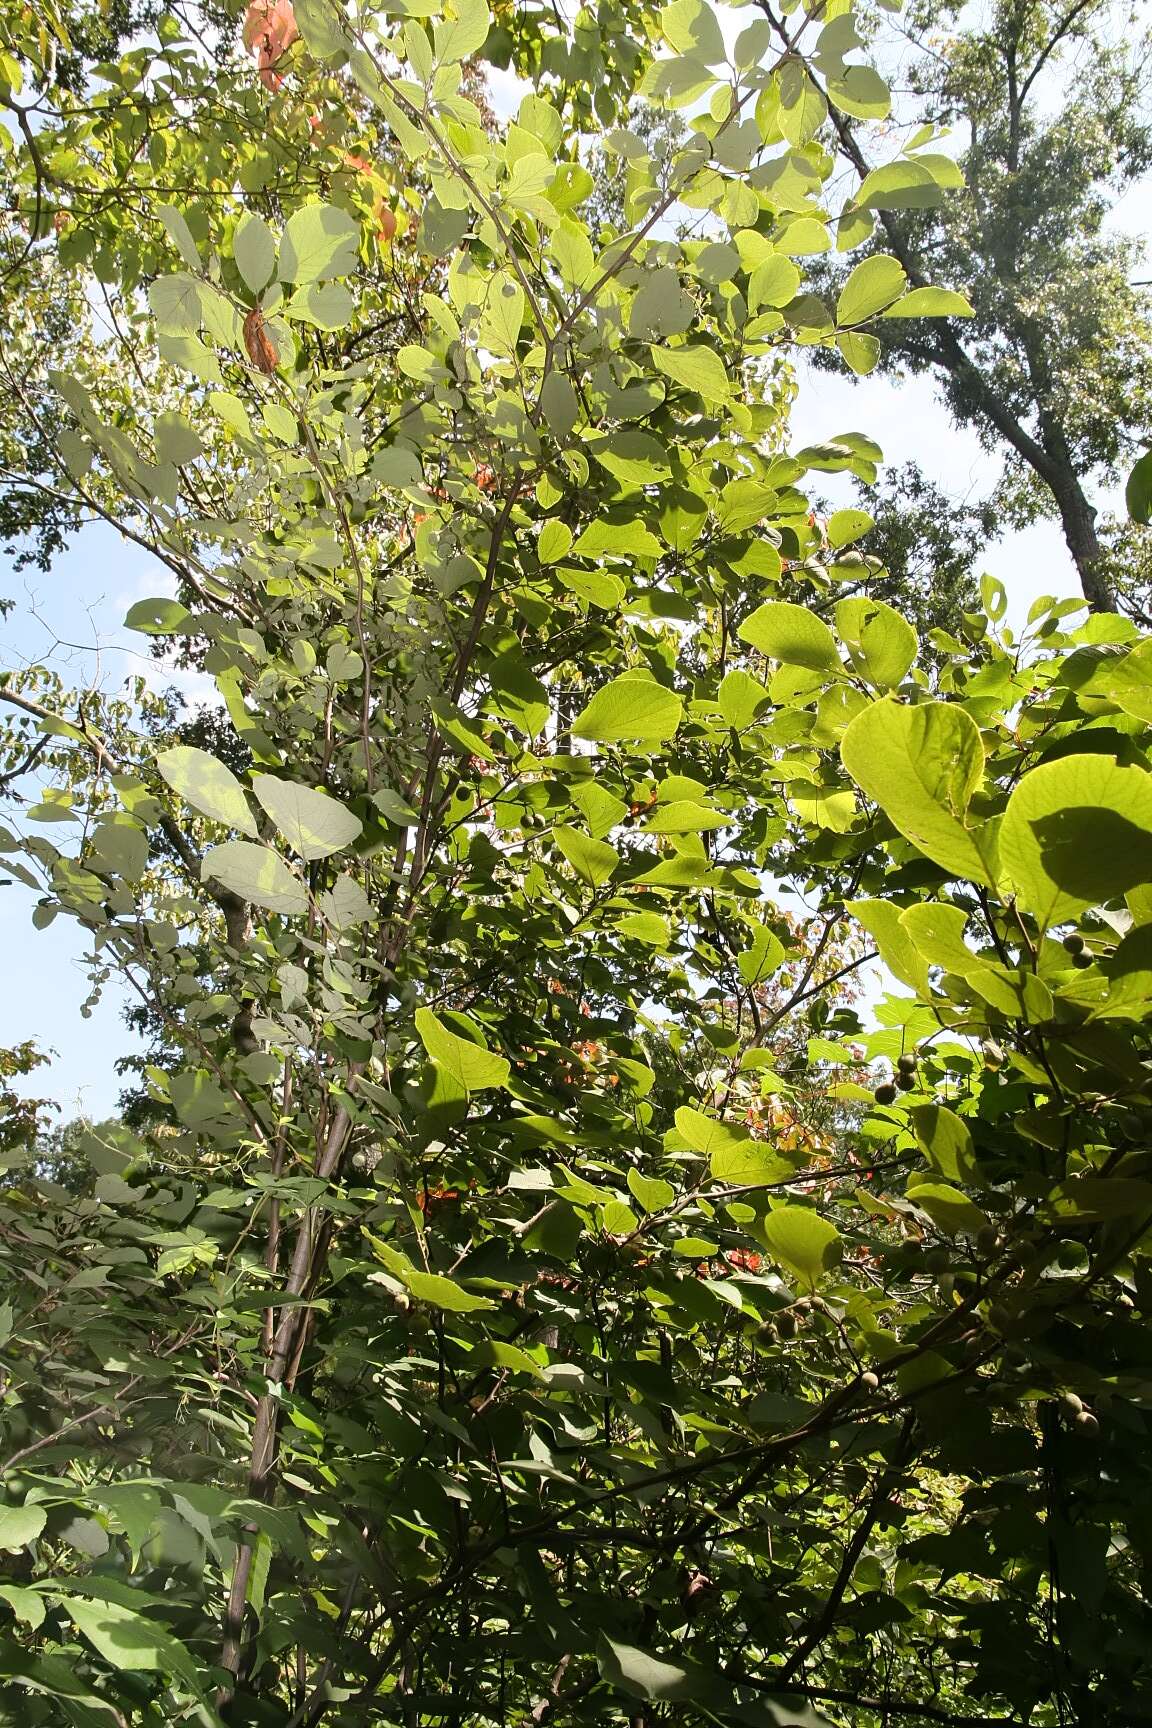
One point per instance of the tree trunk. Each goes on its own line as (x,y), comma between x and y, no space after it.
(1078,520)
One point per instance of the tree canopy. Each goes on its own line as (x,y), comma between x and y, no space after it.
(547,1290)
(1044,112)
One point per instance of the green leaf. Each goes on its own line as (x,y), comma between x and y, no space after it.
(472,1066)
(175,440)
(128,1640)
(872,285)
(20,1525)
(180,234)
(697,368)
(921,764)
(319,241)
(209,786)
(793,635)
(177,304)
(326,305)
(802,1241)
(555,539)
(903,185)
(651,1193)
(740,698)
(945,1141)
(631,708)
(256,873)
(593,860)
(862,352)
(881,644)
(685,816)
(254,249)
(764,956)
(802,105)
(314,824)
(845,526)
(1077,832)
(861,92)
(881,919)
(931,303)
(691,27)
(635,1671)
(647,927)
(461,37)
(1138,491)
(159,617)
(617,540)
(947,1207)
(504,310)
(27,1605)
(518,695)
(441,1292)
(734,1158)
(321,25)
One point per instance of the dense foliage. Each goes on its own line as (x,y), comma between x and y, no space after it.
(525,1305)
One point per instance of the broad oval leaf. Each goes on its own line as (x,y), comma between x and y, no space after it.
(319,241)
(314,824)
(802,1241)
(1077,831)
(793,635)
(254,249)
(256,873)
(209,786)
(472,1066)
(921,764)
(128,1640)
(872,286)
(20,1525)
(630,709)
(946,1142)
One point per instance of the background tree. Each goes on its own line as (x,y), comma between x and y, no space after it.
(1048,105)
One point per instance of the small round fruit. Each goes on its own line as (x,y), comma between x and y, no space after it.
(1072,1403)
(870,1382)
(786,1324)
(1085,1423)
(885,1094)
(906,1063)
(906,1080)
(987,1239)
(1082,961)
(1074,943)
(767,1333)
(937,1260)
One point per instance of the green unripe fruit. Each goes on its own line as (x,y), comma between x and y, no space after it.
(1081,961)
(1086,1424)
(987,1239)
(937,1260)
(786,1324)
(1074,943)
(885,1094)
(767,1333)
(906,1063)
(1071,1402)
(870,1382)
(906,1081)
